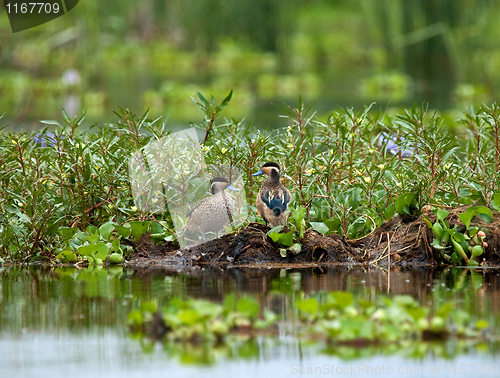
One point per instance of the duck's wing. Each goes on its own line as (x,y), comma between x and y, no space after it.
(276,199)
(188,215)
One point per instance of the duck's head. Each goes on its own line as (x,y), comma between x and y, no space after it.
(271,169)
(218,184)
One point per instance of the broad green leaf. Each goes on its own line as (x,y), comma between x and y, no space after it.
(97,250)
(124,231)
(482,324)
(207,309)
(495,201)
(436,244)
(417,313)
(455,258)
(286,239)
(458,236)
(320,227)
(403,200)
(150,306)
(275,230)
(466,218)
(445,310)
(297,216)
(441,214)
(333,224)
(482,211)
(341,299)
(274,236)
(115,245)
(189,317)
(102,251)
(485,217)
(138,228)
(87,250)
(309,305)
(389,211)
(478,210)
(135,318)
(404,301)
(356,227)
(67,232)
(353,199)
(248,307)
(92,230)
(67,257)
(155,228)
(82,236)
(106,229)
(93,238)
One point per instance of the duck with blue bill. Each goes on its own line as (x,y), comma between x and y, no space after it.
(273,197)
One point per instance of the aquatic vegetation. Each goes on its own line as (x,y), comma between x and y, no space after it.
(290,239)
(59,184)
(467,244)
(337,315)
(200,320)
(334,319)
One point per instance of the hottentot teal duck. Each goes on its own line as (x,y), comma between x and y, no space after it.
(273,197)
(212,213)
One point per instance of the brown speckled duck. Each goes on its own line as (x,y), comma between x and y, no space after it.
(273,197)
(212,213)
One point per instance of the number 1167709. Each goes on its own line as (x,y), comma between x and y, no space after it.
(32,8)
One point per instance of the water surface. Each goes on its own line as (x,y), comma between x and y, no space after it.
(60,322)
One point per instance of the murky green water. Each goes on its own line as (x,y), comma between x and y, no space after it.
(61,322)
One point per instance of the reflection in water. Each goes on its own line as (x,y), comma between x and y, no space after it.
(58,320)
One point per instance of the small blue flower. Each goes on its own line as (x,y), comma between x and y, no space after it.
(391,142)
(44,138)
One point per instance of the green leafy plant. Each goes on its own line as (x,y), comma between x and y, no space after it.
(211,110)
(455,246)
(349,171)
(289,239)
(333,316)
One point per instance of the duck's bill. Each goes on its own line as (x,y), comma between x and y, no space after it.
(230,187)
(258,173)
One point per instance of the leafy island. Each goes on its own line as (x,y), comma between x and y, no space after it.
(367,187)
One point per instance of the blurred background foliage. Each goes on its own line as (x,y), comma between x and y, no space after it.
(158,53)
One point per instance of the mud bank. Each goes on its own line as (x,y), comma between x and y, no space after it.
(399,242)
